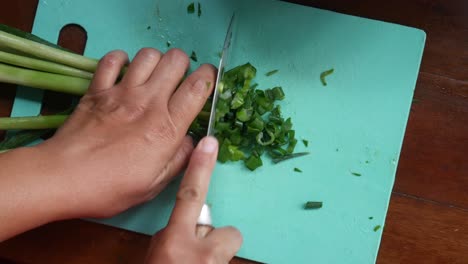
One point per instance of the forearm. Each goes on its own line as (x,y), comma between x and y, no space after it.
(28,196)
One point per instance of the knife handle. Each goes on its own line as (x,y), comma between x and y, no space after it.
(204,224)
(203,230)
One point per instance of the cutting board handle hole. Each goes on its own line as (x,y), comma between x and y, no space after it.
(74,38)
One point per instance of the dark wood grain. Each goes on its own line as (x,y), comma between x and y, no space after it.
(63,242)
(434,162)
(426,221)
(419,231)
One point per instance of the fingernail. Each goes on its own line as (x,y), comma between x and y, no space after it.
(209,144)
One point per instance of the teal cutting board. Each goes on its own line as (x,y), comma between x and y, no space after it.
(356,124)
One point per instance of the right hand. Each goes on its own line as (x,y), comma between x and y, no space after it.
(178,242)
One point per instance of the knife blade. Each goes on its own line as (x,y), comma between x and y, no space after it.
(219,77)
(204,223)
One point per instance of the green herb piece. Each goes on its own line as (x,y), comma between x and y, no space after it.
(270,73)
(371,217)
(297,170)
(367,162)
(305,142)
(219,54)
(277,93)
(208,85)
(324,74)
(33,122)
(191,8)
(253,162)
(229,152)
(22,138)
(193,56)
(148,28)
(377,227)
(168,44)
(313,205)
(289,156)
(356,174)
(199,10)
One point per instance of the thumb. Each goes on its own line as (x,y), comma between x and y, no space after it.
(226,240)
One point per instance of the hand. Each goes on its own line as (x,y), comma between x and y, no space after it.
(125,142)
(178,242)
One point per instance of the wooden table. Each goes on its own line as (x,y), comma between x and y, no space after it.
(428,217)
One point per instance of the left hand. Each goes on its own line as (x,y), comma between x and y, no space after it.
(125,142)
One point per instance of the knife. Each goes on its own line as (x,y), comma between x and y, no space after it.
(219,77)
(204,223)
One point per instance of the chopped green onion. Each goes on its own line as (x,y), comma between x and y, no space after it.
(270,73)
(253,162)
(305,142)
(261,138)
(324,74)
(199,10)
(168,43)
(356,174)
(377,227)
(193,56)
(244,114)
(313,205)
(148,28)
(371,217)
(297,170)
(191,8)
(22,138)
(248,121)
(208,85)
(278,93)
(290,156)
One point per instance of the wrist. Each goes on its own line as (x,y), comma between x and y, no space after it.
(29,194)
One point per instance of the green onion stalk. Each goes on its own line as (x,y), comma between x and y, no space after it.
(249,122)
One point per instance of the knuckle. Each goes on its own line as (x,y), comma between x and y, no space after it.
(150,53)
(179,56)
(190,193)
(170,249)
(200,89)
(208,256)
(165,131)
(87,103)
(208,68)
(113,58)
(236,234)
(110,107)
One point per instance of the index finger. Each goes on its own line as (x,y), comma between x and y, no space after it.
(194,186)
